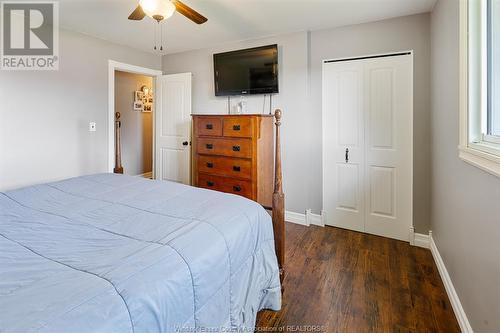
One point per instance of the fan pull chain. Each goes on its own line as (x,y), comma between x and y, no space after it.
(161,38)
(156,37)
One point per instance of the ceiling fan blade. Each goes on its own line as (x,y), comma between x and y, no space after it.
(138,14)
(189,12)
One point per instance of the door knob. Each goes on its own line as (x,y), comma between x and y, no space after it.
(185,143)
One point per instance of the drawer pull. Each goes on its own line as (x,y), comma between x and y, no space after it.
(209,126)
(211,184)
(236,127)
(236,168)
(210,165)
(236,148)
(237,188)
(209,146)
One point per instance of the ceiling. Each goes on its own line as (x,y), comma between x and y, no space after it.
(228,20)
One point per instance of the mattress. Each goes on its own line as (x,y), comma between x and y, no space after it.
(114,253)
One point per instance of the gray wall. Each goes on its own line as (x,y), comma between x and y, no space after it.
(136,126)
(465,200)
(292,99)
(44,116)
(399,34)
(301,56)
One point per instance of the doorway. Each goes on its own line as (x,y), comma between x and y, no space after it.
(115,67)
(170,122)
(134,102)
(368,144)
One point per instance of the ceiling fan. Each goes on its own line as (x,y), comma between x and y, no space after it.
(162,9)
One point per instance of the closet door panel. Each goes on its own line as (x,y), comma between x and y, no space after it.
(343,150)
(388,146)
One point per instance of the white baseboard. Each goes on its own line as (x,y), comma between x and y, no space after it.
(296,218)
(450,289)
(314,219)
(420,240)
(306,219)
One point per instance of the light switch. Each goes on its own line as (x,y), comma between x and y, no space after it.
(92,127)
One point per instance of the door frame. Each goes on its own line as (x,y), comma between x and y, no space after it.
(411,228)
(114,66)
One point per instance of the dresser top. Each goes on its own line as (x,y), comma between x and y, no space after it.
(232,115)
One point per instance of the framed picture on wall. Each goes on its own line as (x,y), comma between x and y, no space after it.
(138,106)
(138,96)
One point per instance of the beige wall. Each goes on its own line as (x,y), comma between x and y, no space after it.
(301,56)
(137,127)
(45,115)
(465,200)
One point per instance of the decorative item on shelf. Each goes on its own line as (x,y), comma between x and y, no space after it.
(239,108)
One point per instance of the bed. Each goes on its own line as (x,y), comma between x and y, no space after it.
(114,253)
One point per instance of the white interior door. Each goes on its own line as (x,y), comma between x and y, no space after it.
(173,128)
(368,109)
(343,137)
(388,146)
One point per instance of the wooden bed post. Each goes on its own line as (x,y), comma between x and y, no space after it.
(118,146)
(279,203)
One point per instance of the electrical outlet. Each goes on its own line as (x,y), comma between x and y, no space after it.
(92,127)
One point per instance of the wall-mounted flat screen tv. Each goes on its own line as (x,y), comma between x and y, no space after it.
(247,72)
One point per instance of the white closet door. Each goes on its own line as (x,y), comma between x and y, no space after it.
(173,128)
(343,134)
(388,142)
(367,109)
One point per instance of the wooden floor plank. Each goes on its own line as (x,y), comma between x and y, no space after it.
(344,281)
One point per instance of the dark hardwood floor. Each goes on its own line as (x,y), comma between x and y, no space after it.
(344,281)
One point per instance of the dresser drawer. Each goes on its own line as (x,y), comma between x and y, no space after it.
(210,126)
(225,147)
(226,184)
(225,166)
(240,127)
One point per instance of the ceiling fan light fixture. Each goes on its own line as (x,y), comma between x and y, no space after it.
(158,9)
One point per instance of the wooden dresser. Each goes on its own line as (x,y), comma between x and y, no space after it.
(234,154)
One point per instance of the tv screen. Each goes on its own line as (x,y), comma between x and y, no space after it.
(249,71)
